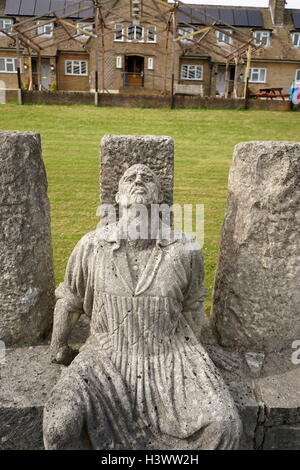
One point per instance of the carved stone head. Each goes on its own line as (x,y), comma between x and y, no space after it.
(139,185)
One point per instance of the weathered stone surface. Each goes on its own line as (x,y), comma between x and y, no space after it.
(26,282)
(256,295)
(142,380)
(119,152)
(282,438)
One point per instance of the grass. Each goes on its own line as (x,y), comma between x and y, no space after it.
(204,141)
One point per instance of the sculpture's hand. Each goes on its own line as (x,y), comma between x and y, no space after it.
(64,355)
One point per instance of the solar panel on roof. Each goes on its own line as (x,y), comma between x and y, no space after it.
(54,4)
(12,7)
(199,15)
(42,6)
(86,13)
(212,15)
(27,7)
(255,18)
(296,19)
(226,16)
(240,18)
(184,14)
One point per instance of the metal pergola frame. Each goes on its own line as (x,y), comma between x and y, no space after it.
(25,34)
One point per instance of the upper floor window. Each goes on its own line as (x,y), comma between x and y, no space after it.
(151,34)
(76,67)
(8,65)
(258,75)
(135,33)
(191,72)
(118,36)
(296,39)
(184,32)
(262,37)
(6,24)
(224,37)
(45,29)
(85,27)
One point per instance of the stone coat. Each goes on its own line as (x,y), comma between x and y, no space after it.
(142,380)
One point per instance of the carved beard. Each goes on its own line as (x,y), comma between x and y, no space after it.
(138,199)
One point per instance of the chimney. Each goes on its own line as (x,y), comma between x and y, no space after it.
(277,11)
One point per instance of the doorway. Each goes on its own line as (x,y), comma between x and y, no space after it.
(134,71)
(45,74)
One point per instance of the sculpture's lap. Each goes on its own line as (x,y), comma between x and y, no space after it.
(93,396)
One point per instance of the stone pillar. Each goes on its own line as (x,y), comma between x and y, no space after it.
(256,303)
(119,152)
(26,281)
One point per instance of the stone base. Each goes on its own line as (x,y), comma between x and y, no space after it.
(268,401)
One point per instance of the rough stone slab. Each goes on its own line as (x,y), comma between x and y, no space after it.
(256,295)
(119,152)
(282,438)
(27,280)
(281,397)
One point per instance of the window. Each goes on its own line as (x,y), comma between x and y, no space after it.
(118,36)
(223,38)
(76,67)
(150,63)
(191,72)
(45,29)
(86,27)
(119,62)
(135,33)
(258,75)
(5,23)
(8,65)
(184,32)
(262,37)
(151,34)
(297,77)
(296,39)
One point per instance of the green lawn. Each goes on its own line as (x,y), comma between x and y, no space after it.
(204,141)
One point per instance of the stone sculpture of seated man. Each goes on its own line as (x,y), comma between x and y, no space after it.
(142,380)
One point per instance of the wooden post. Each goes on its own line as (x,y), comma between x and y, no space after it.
(236,77)
(173,58)
(30,72)
(19,72)
(97,55)
(227,79)
(249,54)
(39,72)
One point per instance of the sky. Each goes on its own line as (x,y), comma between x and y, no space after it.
(241,3)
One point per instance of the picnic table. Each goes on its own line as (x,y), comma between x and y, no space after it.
(269,93)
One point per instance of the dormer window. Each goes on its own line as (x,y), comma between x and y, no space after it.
(6,24)
(224,37)
(45,30)
(262,38)
(296,39)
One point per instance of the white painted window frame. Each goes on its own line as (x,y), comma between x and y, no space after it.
(183,31)
(224,33)
(296,46)
(119,62)
(119,29)
(86,26)
(41,28)
(266,34)
(11,61)
(148,32)
(135,35)
(190,67)
(7,24)
(73,61)
(253,70)
(297,73)
(150,63)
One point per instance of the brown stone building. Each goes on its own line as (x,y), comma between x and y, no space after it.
(141,47)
